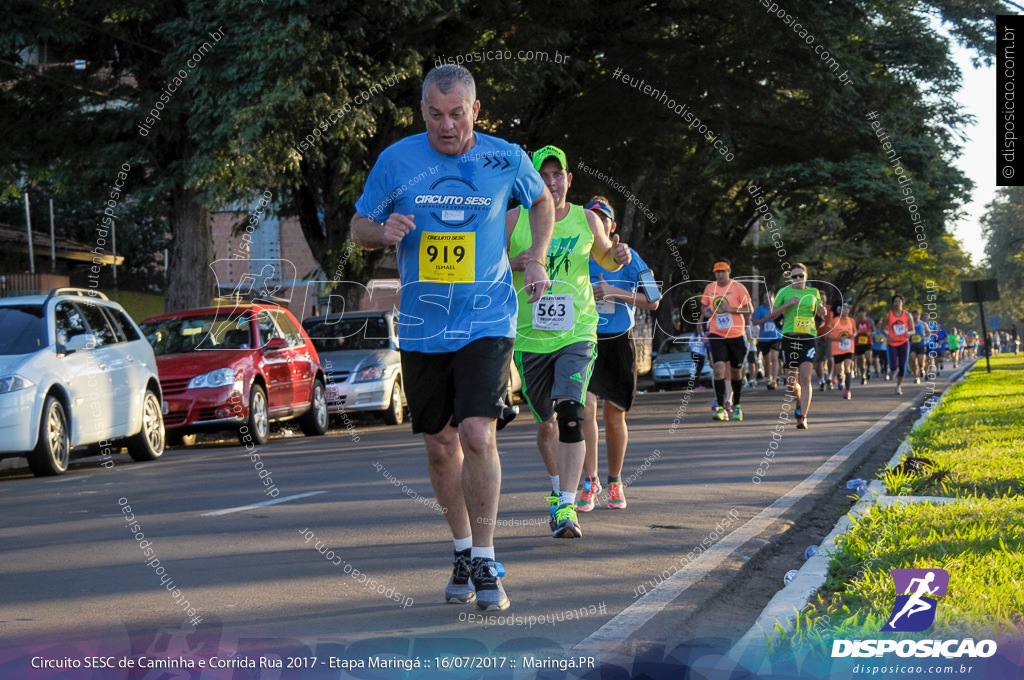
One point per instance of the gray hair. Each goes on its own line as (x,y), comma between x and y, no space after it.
(447,76)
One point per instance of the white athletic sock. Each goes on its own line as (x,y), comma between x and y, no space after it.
(487,552)
(463,543)
(554,481)
(566,497)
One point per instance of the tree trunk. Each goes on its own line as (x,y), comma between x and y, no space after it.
(190,279)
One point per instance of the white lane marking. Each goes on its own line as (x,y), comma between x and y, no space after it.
(626,623)
(260,505)
(63,480)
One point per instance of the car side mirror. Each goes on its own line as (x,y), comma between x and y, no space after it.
(276,345)
(80,342)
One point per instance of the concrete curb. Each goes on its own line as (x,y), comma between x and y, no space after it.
(751,650)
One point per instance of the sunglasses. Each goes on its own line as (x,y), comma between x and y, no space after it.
(798,276)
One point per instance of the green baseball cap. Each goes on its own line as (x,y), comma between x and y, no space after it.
(547,152)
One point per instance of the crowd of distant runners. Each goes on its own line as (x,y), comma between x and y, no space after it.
(550,286)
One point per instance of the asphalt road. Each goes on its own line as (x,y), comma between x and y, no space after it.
(73,577)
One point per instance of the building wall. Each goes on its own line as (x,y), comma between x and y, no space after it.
(280,242)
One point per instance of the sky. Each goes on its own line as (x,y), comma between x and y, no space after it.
(978,161)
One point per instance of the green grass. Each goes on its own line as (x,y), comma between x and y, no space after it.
(976,435)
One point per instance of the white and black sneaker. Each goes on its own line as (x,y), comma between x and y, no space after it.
(459,589)
(490,595)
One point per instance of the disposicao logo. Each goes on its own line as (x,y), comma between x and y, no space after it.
(913,612)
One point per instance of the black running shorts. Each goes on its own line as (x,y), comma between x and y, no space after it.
(446,388)
(732,350)
(797,349)
(614,376)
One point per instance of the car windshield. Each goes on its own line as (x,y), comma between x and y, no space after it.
(192,333)
(675,346)
(347,334)
(24,329)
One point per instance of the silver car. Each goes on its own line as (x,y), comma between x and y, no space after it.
(75,371)
(359,354)
(674,366)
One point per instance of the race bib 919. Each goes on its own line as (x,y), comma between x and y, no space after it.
(448,258)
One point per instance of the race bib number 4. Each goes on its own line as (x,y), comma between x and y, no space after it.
(553,313)
(447,258)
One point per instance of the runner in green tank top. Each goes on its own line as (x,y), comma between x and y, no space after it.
(556,337)
(567,313)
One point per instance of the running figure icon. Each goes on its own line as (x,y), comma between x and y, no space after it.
(915,604)
(920,588)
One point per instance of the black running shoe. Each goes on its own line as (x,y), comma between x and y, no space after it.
(460,590)
(489,593)
(508,414)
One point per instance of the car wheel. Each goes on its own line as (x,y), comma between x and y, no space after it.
(148,444)
(257,428)
(395,415)
(179,439)
(314,422)
(53,449)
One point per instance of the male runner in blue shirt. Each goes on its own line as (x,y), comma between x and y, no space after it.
(440,198)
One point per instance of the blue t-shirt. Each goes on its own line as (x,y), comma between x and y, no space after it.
(768,330)
(919,329)
(456,280)
(616,316)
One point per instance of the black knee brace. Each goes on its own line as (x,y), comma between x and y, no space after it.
(570,421)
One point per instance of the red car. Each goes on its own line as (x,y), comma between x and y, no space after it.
(236,367)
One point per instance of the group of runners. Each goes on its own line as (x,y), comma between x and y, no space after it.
(795,335)
(555,291)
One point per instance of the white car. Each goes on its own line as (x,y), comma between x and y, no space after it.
(75,371)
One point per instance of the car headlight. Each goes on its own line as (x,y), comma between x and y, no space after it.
(217,378)
(375,372)
(11,383)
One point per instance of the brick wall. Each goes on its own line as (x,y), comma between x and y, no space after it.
(231,259)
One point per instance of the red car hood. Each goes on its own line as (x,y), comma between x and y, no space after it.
(196,363)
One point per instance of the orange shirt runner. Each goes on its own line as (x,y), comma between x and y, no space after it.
(726,324)
(897,327)
(842,336)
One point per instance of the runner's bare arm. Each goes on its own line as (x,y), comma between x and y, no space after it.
(518,261)
(542,225)
(608,253)
(778,310)
(367,233)
(606,291)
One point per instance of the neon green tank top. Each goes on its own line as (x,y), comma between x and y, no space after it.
(567,312)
